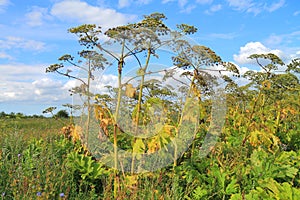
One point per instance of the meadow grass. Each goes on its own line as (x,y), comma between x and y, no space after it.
(29,128)
(34,165)
(38,162)
(33,159)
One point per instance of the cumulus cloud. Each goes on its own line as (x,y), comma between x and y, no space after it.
(22,43)
(275,6)
(241,5)
(187,9)
(83,12)
(254,48)
(14,91)
(3,4)
(46,83)
(145,2)
(166,1)
(214,8)
(36,16)
(274,40)
(252,6)
(296,13)
(204,1)
(182,3)
(283,39)
(23,72)
(3,55)
(27,83)
(226,36)
(127,3)
(124,3)
(295,55)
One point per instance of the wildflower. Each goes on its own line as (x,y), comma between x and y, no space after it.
(62,194)
(39,194)
(3,194)
(19,155)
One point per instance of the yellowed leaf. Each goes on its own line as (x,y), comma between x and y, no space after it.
(138,146)
(131,180)
(254,138)
(130,91)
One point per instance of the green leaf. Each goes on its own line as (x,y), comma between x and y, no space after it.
(138,146)
(236,197)
(199,193)
(232,187)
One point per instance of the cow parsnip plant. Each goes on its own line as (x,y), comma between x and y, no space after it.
(257,155)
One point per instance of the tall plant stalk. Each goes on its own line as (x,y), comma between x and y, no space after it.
(116,116)
(139,104)
(89,103)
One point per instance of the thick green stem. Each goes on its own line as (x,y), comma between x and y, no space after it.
(250,117)
(89,104)
(181,118)
(116,116)
(141,88)
(139,105)
(277,122)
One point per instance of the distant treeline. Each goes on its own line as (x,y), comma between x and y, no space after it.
(18,115)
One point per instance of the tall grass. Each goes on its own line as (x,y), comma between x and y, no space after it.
(35,164)
(33,160)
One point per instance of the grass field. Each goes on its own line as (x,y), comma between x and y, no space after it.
(38,162)
(32,155)
(28,128)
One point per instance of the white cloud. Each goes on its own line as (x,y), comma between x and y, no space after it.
(124,3)
(17,72)
(70,84)
(275,6)
(127,3)
(84,13)
(254,48)
(295,55)
(36,16)
(30,83)
(19,82)
(204,1)
(213,9)
(14,91)
(145,2)
(188,9)
(241,5)
(216,8)
(226,36)
(46,83)
(182,3)
(185,7)
(105,80)
(18,42)
(167,1)
(283,39)
(3,4)
(250,6)
(97,85)
(296,13)
(274,40)
(3,55)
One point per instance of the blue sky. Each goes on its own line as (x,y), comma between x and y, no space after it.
(34,34)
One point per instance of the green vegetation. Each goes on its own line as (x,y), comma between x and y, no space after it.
(256,156)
